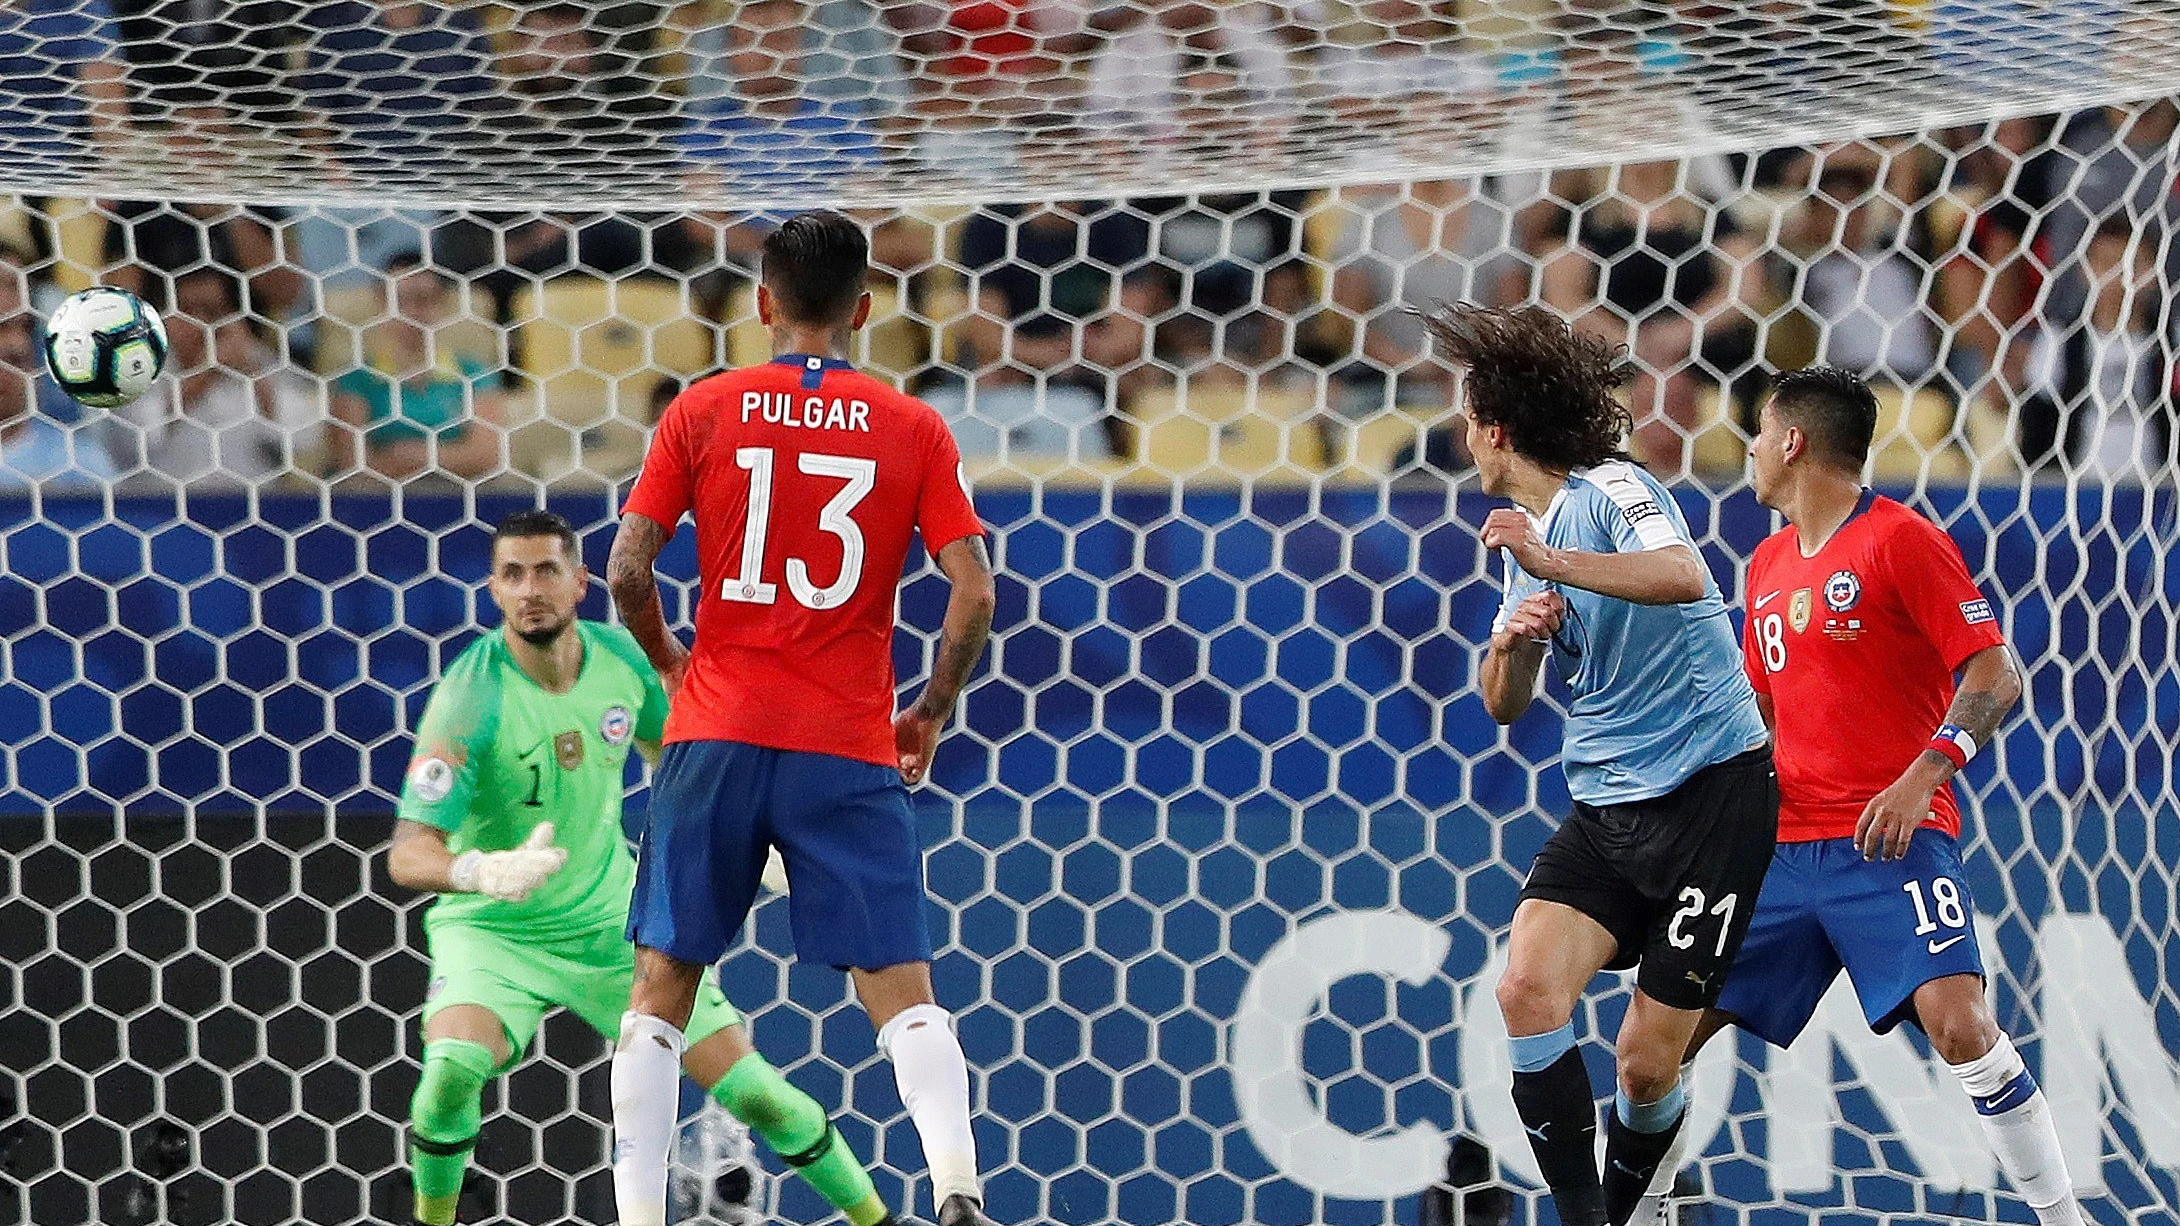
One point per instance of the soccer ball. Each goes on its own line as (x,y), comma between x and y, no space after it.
(105,347)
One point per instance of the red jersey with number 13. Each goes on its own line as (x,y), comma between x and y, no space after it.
(808,480)
(1857,648)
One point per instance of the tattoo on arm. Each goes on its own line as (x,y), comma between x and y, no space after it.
(1977,712)
(635,587)
(628,569)
(961,641)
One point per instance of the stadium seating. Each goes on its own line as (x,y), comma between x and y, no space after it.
(1914,429)
(1225,433)
(593,351)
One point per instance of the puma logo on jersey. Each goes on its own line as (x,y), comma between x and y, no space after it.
(1766,598)
(1939,947)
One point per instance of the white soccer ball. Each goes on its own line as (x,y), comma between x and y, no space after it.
(105,347)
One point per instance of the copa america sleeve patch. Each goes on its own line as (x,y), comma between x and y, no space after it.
(1976,611)
(1642,510)
(431,779)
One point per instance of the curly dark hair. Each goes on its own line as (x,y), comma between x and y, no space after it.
(1550,386)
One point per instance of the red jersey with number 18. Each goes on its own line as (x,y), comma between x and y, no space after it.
(1857,648)
(808,480)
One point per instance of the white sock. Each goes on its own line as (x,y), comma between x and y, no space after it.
(2017,1118)
(1652,1205)
(933,1077)
(646,1098)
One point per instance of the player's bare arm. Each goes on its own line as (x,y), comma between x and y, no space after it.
(1514,660)
(631,577)
(419,859)
(1990,685)
(969,609)
(1671,575)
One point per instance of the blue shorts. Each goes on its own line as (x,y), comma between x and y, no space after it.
(844,828)
(1894,925)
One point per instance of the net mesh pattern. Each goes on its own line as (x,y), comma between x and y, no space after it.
(792,102)
(1224,848)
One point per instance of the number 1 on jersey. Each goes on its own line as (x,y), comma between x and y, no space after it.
(749,586)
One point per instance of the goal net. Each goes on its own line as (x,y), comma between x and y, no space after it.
(1223,846)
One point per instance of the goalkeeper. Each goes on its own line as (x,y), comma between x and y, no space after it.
(512,813)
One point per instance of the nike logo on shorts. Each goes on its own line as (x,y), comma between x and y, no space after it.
(1939,947)
(1765,599)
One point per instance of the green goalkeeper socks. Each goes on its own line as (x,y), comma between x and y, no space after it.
(792,1123)
(443,1121)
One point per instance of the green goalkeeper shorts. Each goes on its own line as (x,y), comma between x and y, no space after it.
(519,980)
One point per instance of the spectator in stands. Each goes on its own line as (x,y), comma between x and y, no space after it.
(839,52)
(400,85)
(1863,268)
(2116,161)
(1672,278)
(1065,260)
(60,79)
(552,103)
(229,414)
(1011,411)
(994,57)
(2102,402)
(36,451)
(150,243)
(1988,277)
(1403,248)
(188,53)
(777,106)
(1185,73)
(416,406)
(1400,55)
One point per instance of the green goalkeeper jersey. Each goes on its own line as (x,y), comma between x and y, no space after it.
(496,754)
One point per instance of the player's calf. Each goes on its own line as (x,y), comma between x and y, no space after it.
(444,1117)
(1651,1103)
(646,1078)
(792,1123)
(932,1075)
(2015,1114)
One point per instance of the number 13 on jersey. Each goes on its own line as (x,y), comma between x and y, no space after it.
(748,586)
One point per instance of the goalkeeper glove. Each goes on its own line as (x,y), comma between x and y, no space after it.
(509,875)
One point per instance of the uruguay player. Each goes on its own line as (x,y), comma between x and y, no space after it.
(1861,612)
(1675,806)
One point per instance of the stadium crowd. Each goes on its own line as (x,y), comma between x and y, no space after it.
(2009,282)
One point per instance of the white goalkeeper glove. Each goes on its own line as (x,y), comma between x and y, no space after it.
(509,875)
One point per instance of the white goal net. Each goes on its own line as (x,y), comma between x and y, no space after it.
(1224,845)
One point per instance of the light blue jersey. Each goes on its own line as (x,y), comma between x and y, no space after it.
(1658,691)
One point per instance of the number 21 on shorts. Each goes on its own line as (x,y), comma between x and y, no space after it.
(1692,907)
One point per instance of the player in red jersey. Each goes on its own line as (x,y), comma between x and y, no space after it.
(1861,613)
(808,481)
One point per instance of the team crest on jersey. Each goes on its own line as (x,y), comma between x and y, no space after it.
(616,726)
(1797,610)
(432,779)
(1843,591)
(568,747)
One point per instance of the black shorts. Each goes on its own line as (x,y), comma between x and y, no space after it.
(1674,879)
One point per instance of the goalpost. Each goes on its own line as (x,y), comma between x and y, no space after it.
(1224,846)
